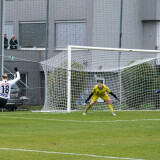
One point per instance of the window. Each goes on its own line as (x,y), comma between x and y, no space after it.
(158,42)
(8,29)
(70,33)
(21,84)
(32,34)
(100,79)
(158,35)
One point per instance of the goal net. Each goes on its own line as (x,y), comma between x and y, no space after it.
(132,74)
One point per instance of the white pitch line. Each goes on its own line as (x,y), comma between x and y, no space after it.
(74,154)
(61,120)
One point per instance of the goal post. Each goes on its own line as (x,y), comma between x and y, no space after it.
(69,80)
(132,74)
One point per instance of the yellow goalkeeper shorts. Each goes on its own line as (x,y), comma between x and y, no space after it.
(104,97)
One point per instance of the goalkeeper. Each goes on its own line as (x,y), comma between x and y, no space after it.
(100,91)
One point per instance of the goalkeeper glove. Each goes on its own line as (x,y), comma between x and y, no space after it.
(114,96)
(85,103)
(16,69)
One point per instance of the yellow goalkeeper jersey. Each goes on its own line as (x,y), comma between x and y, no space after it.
(98,92)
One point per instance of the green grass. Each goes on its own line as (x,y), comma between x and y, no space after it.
(98,133)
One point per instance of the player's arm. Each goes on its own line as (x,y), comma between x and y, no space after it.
(88,97)
(17,76)
(158,91)
(114,95)
(110,92)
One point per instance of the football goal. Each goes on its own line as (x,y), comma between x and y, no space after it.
(132,74)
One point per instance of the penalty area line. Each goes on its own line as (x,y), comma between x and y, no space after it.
(64,153)
(62,120)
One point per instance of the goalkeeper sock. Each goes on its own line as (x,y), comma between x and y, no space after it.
(110,107)
(88,107)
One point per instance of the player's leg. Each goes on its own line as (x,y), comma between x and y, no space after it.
(110,106)
(107,99)
(94,99)
(3,102)
(88,107)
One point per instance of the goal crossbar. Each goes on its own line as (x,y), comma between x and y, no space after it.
(113,49)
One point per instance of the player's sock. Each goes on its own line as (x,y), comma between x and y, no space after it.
(110,107)
(88,107)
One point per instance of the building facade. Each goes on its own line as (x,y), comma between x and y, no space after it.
(73,22)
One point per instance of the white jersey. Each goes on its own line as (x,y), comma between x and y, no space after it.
(5,86)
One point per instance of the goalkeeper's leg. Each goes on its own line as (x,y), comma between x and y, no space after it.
(110,106)
(88,107)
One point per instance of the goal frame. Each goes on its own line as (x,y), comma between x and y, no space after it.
(69,50)
(74,47)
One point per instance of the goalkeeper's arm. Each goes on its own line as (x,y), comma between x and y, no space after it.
(114,95)
(89,97)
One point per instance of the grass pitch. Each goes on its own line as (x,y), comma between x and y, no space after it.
(130,135)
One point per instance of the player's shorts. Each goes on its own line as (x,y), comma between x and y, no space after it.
(2,102)
(104,97)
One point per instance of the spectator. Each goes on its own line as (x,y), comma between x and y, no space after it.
(13,42)
(5,41)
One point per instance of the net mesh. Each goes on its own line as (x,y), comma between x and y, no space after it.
(132,76)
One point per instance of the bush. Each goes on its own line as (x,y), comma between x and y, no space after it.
(57,85)
(139,83)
